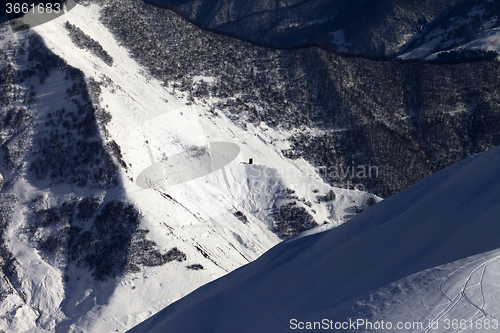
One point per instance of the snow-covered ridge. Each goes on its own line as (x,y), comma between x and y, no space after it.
(208,225)
(217,221)
(360,26)
(427,257)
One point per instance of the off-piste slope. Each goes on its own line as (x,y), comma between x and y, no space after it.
(119,196)
(445,219)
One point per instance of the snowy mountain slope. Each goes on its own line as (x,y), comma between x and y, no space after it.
(339,111)
(459,296)
(182,235)
(475,27)
(71,273)
(380,27)
(413,28)
(429,252)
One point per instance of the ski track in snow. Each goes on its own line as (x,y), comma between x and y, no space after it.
(452,300)
(461,294)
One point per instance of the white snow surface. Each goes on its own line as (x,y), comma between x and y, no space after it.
(429,254)
(150,124)
(487,40)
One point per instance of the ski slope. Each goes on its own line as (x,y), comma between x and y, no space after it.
(200,216)
(429,254)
